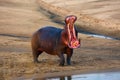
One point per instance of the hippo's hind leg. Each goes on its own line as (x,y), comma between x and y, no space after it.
(36,55)
(35,47)
(69,55)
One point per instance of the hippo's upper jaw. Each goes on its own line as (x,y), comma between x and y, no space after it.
(73,42)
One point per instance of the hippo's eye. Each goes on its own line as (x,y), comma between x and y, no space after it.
(67,19)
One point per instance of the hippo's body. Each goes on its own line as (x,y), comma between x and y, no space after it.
(54,41)
(48,40)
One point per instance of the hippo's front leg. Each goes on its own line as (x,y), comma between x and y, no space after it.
(69,55)
(62,59)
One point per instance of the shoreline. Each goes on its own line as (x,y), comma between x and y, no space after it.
(68,73)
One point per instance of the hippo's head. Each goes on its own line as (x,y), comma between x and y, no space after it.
(73,42)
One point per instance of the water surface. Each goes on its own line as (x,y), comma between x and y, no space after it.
(92,76)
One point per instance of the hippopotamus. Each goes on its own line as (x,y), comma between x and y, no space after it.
(56,41)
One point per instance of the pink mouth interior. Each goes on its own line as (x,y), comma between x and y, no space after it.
(73,41)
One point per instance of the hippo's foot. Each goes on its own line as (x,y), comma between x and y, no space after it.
(68,64)
(61,64)
(68,61)
(36,61)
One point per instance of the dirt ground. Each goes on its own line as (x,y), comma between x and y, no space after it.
(19,19)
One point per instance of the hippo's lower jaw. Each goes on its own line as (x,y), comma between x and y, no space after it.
(74,44)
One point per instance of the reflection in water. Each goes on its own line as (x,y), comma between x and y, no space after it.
(61,78)
(95,76)
(65,78)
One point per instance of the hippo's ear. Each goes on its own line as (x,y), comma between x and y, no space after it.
(75,18)
(76,31)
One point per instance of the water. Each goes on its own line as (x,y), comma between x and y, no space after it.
(96,35)
(101,36)
(92,76)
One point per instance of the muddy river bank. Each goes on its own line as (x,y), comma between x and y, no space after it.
(19,19)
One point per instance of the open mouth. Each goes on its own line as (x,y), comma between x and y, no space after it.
(73,41)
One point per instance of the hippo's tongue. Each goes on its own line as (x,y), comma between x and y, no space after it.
(73,41)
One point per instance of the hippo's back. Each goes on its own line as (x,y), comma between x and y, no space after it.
(48,38)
